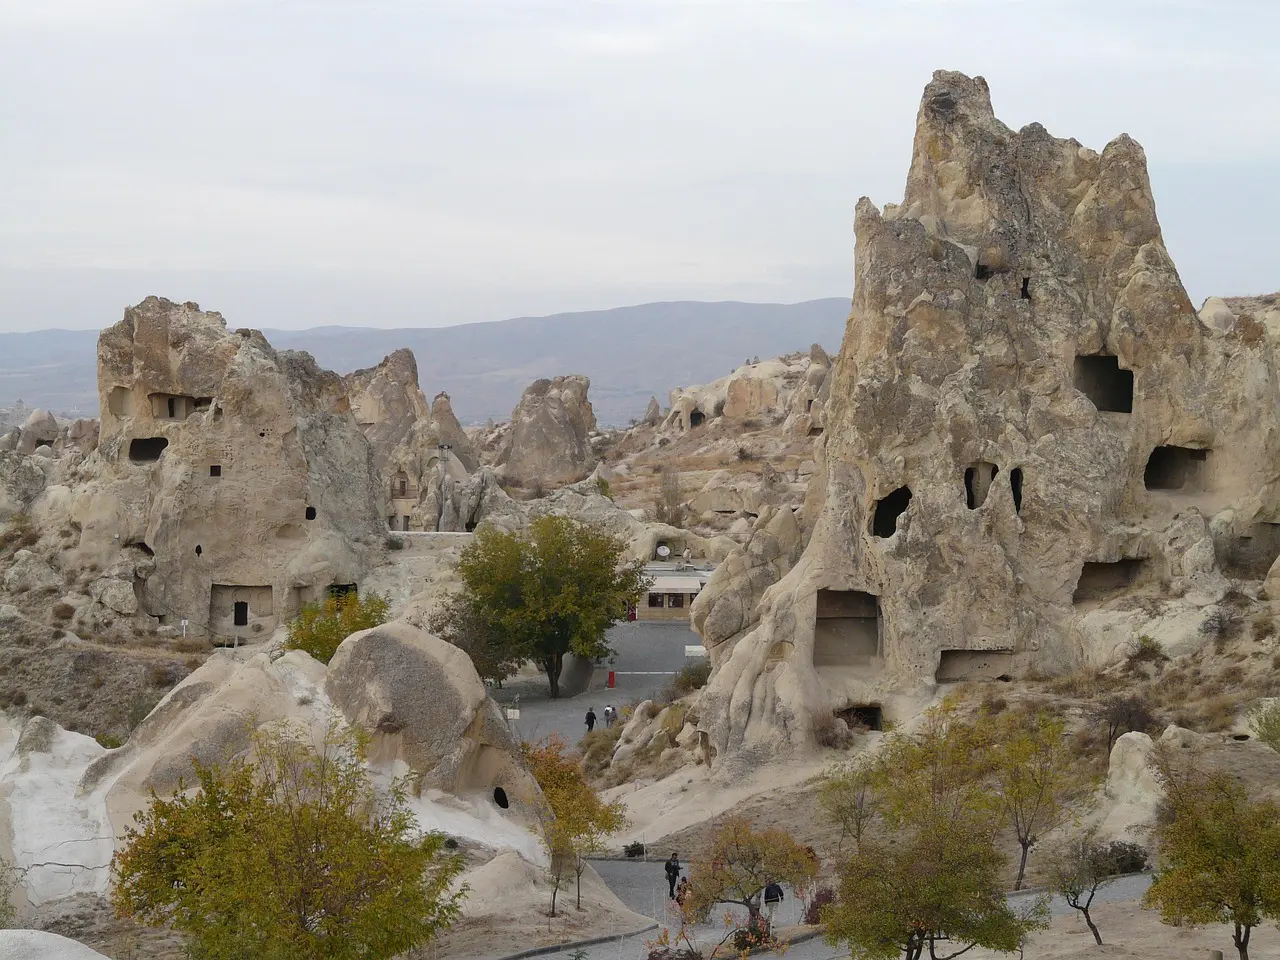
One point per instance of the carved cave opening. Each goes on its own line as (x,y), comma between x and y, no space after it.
(1176,468)
(311,513)
(696,418)
(1026,288)
(1100,580)
(958,665)
(1015,486)
(1108,387)
(888,510)
(846,629)
(215,469)
(500,798)
(977,483)
(146,449)
(866,716)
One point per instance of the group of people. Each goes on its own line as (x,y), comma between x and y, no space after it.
(610,716)
(678,887)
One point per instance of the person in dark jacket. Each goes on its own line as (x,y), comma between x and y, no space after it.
(673,874)
(591,719)
(772,897)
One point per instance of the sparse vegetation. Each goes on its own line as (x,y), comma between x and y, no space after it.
(62,611)
(1146,650)
(602,487)
(8,882)
(395,543)
(668,506)
(1123,714)
(693,677)
(321,628)
(1264,721)
(1081,866)
(746,454)
(634,850)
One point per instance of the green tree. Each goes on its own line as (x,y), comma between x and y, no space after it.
(321,627)
(1219,852)
(576,822)
(293,856)
(1034,774)
(1264,721)
(459,621)
(848,799)
(551,590)
(930,878)
(1081,866)
(739,862)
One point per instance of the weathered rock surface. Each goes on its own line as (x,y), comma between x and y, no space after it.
(387,402)
(1025,414)
(239,469)
(550,433)
(38,945)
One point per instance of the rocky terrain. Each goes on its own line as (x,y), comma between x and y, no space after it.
(1034,476)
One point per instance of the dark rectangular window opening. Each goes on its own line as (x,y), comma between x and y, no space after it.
(241,613)
(1101,580)
(215,470)
(1015,486)
(977,483)
(1026,288)
(311,513)
(147,449)
(1108,387)
(655,599)
(957,665)
(815,431)
(1176,468)
(846,629)
(675,601)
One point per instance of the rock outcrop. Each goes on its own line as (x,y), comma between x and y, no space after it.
(388,402)
(550,433)
(233,476)
(1027,420)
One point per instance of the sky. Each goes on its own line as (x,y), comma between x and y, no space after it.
(295,163)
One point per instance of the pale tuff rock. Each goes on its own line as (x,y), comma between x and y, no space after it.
(240,469)
(1027,424)
(652,413)
(28,573)
(21,482)
(549,439)
(41,428)
(38,945)
(387,402)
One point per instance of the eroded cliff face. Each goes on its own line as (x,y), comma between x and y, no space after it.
(1026,420)
(233,478)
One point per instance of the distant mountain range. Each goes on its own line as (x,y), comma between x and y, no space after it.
(630,354)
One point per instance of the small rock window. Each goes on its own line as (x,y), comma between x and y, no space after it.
(977,483)
(1026,288)
(867,717)
(888,510)
(199,550)
(1176,468)
(215,470)
(311,513)
(500,798)
(1015,487)
(1100,378)
(696,418)
(242,613)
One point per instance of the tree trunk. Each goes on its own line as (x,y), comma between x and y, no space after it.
(1241,938)
(1092,927)
(554,891)
(581,866)
(552,662)
(1022,864)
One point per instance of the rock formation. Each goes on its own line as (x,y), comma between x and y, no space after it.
(1028,428)
(387,403)
(234,482)
(550,433)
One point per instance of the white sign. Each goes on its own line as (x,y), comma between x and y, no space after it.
(695,650)
(513,713)
(184,626)
(664,551)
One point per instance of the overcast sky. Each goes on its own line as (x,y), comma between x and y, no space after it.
(426,162)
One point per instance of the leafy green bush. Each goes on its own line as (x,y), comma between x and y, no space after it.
(1147,650)
(109,741)
(603,486)
(634,849)
(321,627)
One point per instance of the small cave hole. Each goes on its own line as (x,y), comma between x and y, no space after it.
(982,271)
(311,513)
(215,470)
(500,798)
(1176,468)
(141,546)
(696,418)
(1015,485)
(450,843)
(815,431)
(977,483)
(199,550)
(1026,288)
(888,510)
(1240,737)
(862,717)
(262,434)
(147,449)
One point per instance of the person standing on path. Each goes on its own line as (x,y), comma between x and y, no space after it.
(591,719)
(610,715)
(673,874)
(772,897)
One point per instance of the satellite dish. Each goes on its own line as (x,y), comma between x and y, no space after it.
(664,551)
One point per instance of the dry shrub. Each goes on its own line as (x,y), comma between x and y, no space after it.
(62,611)
(831,733)
(693,677)
(1263,626)
(190,645)
(597,749)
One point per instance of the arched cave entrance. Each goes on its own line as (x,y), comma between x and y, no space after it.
(888,510)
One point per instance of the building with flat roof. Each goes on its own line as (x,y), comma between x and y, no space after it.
(671,592)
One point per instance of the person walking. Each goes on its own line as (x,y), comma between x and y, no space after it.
(673,874)
(772,897)
(591,719)
(610,715)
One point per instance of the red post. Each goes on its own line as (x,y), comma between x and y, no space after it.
(612,679)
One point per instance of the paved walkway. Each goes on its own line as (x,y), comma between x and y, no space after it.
(648,656)
(643,888)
